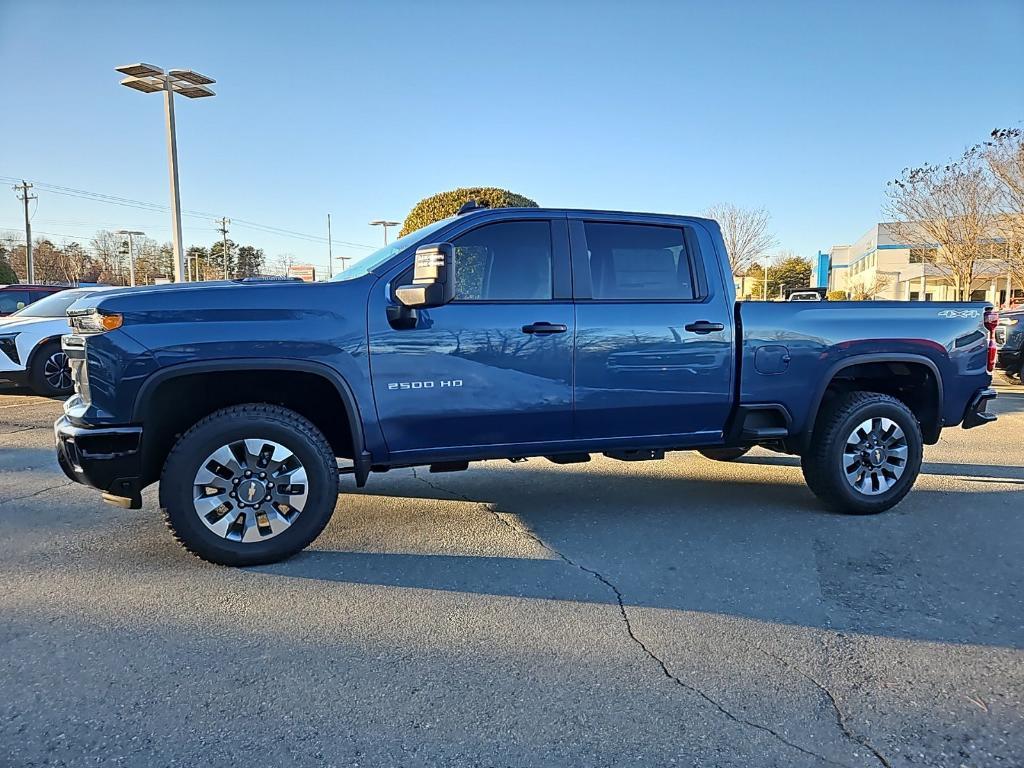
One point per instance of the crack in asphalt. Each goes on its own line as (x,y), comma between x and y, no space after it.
(836,708)
(498,515)
(36,493)
(21,428)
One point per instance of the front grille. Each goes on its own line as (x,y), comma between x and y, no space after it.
(9,348)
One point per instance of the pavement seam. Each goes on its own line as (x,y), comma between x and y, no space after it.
(35,493)
(840,715)
(498,515)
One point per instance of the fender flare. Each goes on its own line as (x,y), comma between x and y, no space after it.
(35,351)
(362,458)
(849,362)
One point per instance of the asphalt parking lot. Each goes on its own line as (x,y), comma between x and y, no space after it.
(683,612)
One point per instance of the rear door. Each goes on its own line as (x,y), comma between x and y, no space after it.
(493,367)
(654,331)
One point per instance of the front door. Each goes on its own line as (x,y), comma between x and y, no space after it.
(654,350)
(493,367)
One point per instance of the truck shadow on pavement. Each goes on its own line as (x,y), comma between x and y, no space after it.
(942,567)
(969,472)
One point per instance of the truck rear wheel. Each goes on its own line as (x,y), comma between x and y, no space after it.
(248,485)
(865,453)
(723,454)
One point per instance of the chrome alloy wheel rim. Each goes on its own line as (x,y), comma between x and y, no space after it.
(875,456)
(250,490)
(56,371)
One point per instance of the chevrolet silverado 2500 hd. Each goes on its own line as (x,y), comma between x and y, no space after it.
(504,333)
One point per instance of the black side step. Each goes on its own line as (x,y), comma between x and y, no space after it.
(765,433)
(568,458)
(449,466)
(637,454)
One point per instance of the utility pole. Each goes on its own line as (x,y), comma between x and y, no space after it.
(23,195)
(224,240)
(330,255)
(131,250)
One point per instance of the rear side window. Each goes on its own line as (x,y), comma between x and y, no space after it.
(12,301)
(506,261)
(638,261)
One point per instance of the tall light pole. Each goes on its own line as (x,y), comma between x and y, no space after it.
(385,224)
(131,251)
(150,79)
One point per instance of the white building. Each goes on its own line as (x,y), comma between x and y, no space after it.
(879,266)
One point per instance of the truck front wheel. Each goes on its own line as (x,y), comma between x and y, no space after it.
(248,485)
(865,453)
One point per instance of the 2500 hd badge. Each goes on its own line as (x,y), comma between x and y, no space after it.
(425,384)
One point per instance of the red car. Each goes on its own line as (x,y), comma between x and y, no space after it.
(15,297)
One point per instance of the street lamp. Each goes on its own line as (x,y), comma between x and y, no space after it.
(192,85)
(385,224)
(131,254)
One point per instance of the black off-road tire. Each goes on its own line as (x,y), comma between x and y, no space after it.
(36,375)
(822,463)
(723,454)
(251,420)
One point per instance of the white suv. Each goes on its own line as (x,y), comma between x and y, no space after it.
(30,350)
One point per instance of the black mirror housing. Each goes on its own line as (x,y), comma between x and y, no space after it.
(433,283)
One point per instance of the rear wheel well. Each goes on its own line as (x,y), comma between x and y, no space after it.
(912,383)
(175,404)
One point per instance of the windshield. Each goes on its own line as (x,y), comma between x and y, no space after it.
(52,306)
(378,257)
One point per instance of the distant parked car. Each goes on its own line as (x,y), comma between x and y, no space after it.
(30,350)
(1009,337)
(15,297)
(805,296)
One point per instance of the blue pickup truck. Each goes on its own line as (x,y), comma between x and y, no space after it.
(498,334)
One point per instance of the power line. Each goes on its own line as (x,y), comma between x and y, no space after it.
(144,205)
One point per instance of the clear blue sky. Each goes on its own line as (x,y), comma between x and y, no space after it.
(806,108)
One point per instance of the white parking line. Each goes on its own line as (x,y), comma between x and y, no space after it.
(34,401)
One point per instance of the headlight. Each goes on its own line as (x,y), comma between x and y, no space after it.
(9,348)
(93,321)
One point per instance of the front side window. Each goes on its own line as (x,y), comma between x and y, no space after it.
(505,261)
(12,301)
(53,305)
(638,261)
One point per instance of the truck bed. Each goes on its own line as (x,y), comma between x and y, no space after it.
(789,351)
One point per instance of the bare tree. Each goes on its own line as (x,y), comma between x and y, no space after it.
(870,289)
(1004,154)
(953,206)
(745,232)
(110,252)
(282,263)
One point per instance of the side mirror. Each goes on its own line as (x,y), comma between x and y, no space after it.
(433,281)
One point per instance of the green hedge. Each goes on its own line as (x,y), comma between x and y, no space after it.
(444,204)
